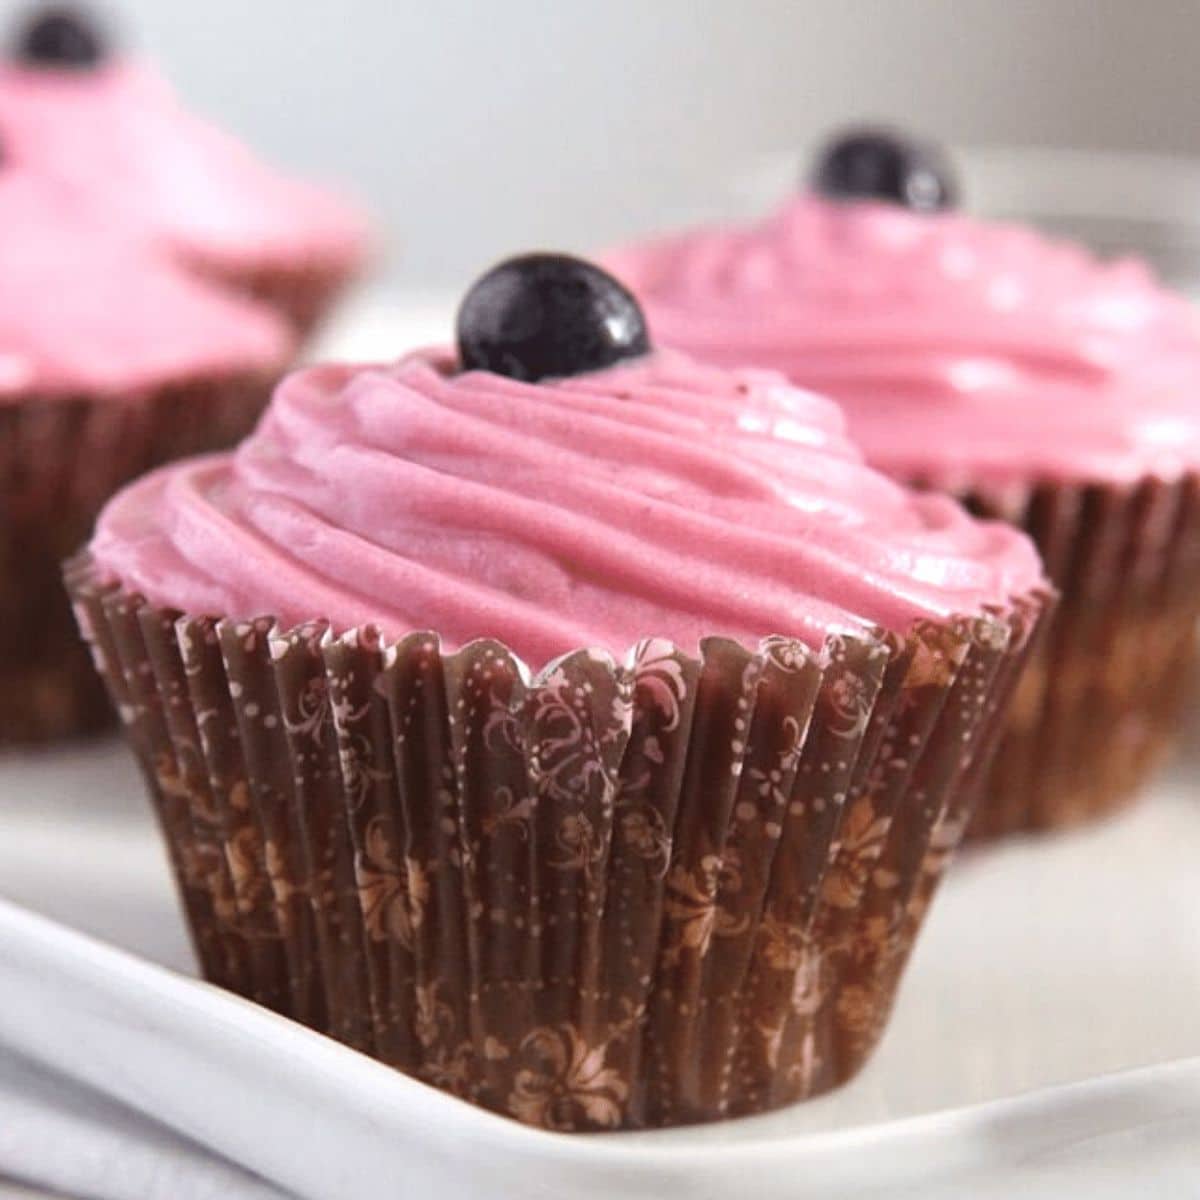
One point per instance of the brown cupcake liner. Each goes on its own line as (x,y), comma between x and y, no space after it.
(605,897)
(61,457)
(1100,706)
(303,293)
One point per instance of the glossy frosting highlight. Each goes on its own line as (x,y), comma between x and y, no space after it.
(960,349)
(86,308)
(655,498)
(118,138)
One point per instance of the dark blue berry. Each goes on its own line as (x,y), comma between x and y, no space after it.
(59,36)
(540,316)
(881,164)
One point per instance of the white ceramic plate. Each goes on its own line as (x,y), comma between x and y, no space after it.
(326,1122)
(1045,962)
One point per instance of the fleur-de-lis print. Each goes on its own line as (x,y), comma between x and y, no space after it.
(580,846)
(506,809)
(860,842)
(857,1010)
(691,907)
(283,887)
(447,1060)
(241,853)
(872,939)
(788,949)
(393,892)
(646,834)
(564,1083)
(172,783)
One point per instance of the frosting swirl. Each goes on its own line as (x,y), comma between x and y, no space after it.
(659,497)
(119,141)
(87,308)
(960,349)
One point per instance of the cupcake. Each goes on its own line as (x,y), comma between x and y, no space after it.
(1032,381)
(112,360)
(110,130)
(575,727)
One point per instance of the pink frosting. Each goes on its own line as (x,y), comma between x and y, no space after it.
(961,350)
(659,497)
(85,308)
(118,138)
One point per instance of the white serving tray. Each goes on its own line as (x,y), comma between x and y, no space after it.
(1055,961)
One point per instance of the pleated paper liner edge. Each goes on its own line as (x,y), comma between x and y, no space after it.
(1100,708)
(61,458)
(605,896)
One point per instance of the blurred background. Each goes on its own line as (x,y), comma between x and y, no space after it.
(473,129)
(476,128)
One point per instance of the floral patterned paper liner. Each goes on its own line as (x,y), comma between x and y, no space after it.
(608,896)
(61,457)
(1101,703)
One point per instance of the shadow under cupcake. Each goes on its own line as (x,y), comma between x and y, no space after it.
(625,889)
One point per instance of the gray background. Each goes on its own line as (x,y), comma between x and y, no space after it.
(476,127)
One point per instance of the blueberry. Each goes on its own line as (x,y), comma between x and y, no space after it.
(59,36)
(882,164)
(543,315)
